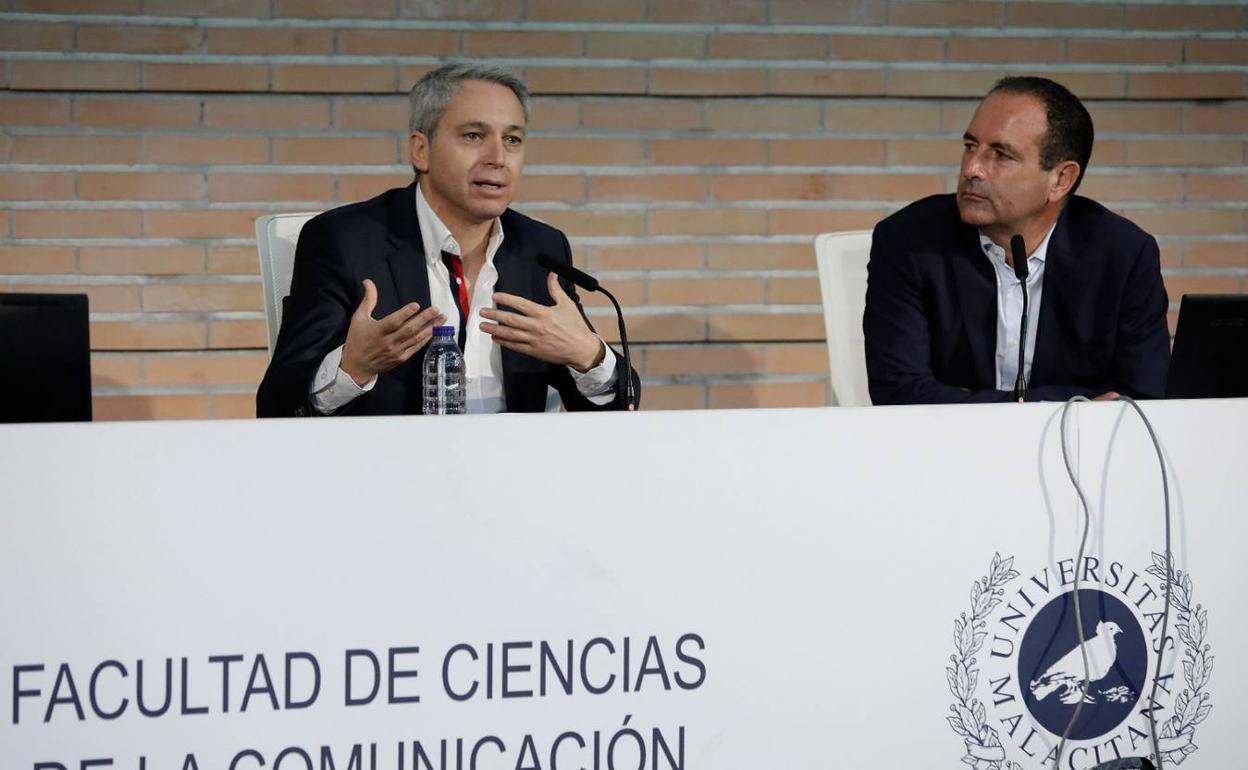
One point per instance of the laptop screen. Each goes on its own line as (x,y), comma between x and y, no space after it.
(45,358)
(1210,358)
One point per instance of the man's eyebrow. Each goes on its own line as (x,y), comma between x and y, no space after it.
(480,125)
(969,137)
(1008,149)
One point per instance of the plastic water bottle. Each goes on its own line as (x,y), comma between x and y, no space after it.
(443,379)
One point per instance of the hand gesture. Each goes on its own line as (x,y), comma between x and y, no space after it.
(556,334)
(375,346)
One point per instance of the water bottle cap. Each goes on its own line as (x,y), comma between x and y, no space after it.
(444,331)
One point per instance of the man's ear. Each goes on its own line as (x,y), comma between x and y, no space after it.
(420,152)
(1064,177)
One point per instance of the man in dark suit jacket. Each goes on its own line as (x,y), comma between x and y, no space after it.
(943,310)
(362,306)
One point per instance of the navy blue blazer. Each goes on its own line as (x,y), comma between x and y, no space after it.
(931,315)
(380,239)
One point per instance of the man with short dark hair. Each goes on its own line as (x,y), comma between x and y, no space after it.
(944,305)
(372,279)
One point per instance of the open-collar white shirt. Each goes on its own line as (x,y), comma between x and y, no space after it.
(333,388)
(1010,307)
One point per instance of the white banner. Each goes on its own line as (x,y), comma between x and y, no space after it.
(882,587)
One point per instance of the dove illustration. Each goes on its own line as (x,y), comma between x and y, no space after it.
(1065,677)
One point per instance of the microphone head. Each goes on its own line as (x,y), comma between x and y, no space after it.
(1018,251)
(567,272)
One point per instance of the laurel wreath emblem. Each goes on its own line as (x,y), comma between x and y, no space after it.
(968,718)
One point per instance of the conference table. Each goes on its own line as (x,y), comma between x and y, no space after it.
(805,588)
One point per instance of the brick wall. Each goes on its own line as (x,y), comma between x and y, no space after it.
(690,148)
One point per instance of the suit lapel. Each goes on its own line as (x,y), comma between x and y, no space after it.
(975,282)
(406,259)
(513,278)
(1054,299)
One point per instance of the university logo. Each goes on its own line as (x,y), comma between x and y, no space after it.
(1019,671)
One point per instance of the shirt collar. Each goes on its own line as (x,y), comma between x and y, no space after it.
(993,251)
(437,237)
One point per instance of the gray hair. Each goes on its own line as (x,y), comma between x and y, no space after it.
(432,94)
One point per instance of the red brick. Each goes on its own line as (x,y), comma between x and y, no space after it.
(204,369)
(766,326)
(569,151)
(18,36)
(1128,118)
(523,43)
(251,9)
(75,223)
(796,359)
(398,42)
(735,221)
(889,117)
(894,187)
(826,152)
(850,12)
(586,10)
(793,291)
(1071,15)
(887,48)
(478,10)
(132,38)
(711,11)
(225,223)
(670,397)
(1219,119)
(706,291)
(113,371)
(554,112)
(707,152)
(933,13)
(735,45)
(761,256)
(150,407)
(193,297)
(740,395)
(1178,285)
(1217,187)
(34,110)
(645,45)
(36,259)
(74,149)
(410,73)
(586,80)
(1217,52)
(173,76)
(1132,187)
(705,360)
(335,150)
(1216,254)
(1188,221)
(664,187)
(268,187)
(594,223)
(924,152)
(266,112)
(659,328)
(335,78)
(142,112)
(147,335)
(205,149)
(636,114)
(564,188)
(297,41)
(358,187)
(144,186)
(76,6)
(238,334)
(1119,51)
(629,293)
(1005,49)
(379,113)
(1212,18)
(826,82)
(73,76)
(141,260)
(36,185)
(1186,85)
(233,260)
(101,298)
(1163,152)
(647,256)
(815,221)
(233,406)
(712,82)
(946,82)
(333,9)
(745,187)
(772,115)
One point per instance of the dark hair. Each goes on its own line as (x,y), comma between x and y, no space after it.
(1069,134)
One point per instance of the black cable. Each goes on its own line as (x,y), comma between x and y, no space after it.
(1020,381)
(625,388)
(1083,543)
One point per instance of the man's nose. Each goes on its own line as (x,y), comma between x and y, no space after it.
(972,165)
(493,152)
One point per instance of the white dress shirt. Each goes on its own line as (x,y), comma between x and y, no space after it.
(1010,308)
(333,388)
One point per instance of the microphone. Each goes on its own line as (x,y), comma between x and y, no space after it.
(1018,249)
(589,283)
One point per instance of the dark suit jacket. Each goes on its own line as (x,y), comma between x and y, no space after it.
(931,315)
(380,239)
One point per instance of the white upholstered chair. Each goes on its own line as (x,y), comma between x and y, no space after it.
(276,236)
(842,259)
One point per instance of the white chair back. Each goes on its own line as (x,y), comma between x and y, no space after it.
(276,237)
(842,259)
